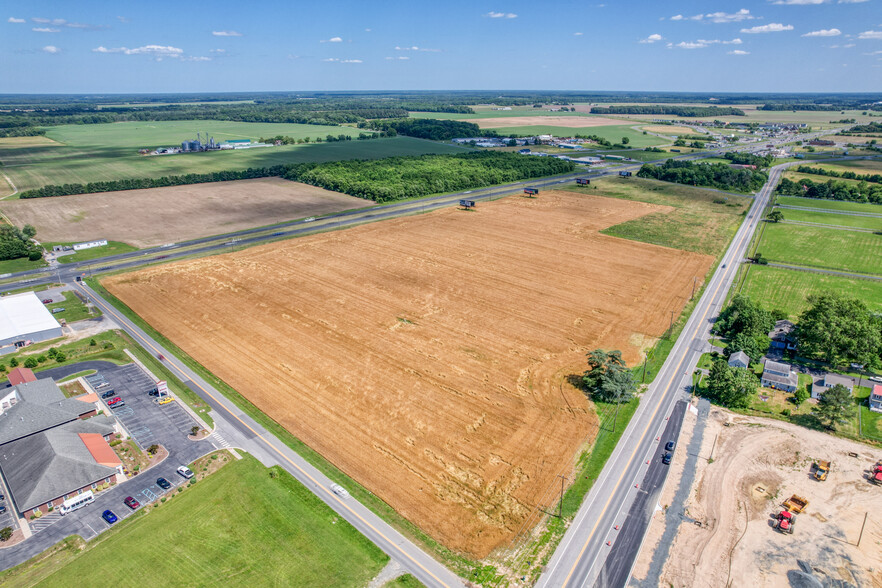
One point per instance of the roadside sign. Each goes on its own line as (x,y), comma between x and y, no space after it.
(162,388)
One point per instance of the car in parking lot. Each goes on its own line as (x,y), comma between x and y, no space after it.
(163,483)
(670,446)
(185,471)
(153,391)
(131,502)
(2,508)
(164,400)
(667,457)
(108,516)
(47,301)
(108,394)
(116,402)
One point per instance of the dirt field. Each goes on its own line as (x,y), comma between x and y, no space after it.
(757,464)
(162,215)
(427,356)
(575,122)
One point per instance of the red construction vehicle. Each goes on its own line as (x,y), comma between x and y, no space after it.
(876,475)
(785,522)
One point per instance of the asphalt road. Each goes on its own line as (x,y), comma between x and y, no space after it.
(617,568)
(582,553)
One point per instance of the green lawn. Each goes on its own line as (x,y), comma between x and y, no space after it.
(74,309)
(787,290)
(821,247)
(112,248)
(405,581)
(697,223)
(19,265)
(91,153)
(613,133)
(239,526)
(831,218)
(830,204)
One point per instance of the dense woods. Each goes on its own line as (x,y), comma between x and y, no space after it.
(832,190)
(425,128)
(872,127)
(703,111)
(749,159)
(715,175)
(848,175)
(394,178)
(15,243)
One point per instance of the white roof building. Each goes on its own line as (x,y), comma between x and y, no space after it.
(24,318)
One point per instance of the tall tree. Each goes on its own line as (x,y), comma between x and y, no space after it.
(835,406)
(732,387)
(744,316)
(839,330)
(608,379)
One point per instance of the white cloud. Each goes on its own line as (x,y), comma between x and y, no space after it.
(155,50)
(677,17)
(739,52)
(723,17)
(51,49)
(703,43)
(332,40)
(52,21)
(196,58)
(824,33)
(848,46)
(578,34)
(691,45)
(58,22)
(217,50)
(799,2)
(122,19)
(415,48)
(226,33)
(492,14)
(352,61)
(852,1)
(870,35)
(775,27)
(399,58)
(45,30)
(654,38)
(17,20)
(874,53)
(367,30)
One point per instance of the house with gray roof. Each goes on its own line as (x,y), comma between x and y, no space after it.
(50,450)
(830,380)
(739,359)
(779,376)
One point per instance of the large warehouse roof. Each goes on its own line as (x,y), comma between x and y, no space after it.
(21,314)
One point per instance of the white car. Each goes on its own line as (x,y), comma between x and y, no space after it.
(185,471)
(339,490)
(875,379)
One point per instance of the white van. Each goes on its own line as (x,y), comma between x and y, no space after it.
(78,501)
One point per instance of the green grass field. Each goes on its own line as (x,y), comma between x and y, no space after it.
(697,223)
(74,309)
(829,204)
(787,290)
(831,218)
(238,527)
(488,112)
(112,248)
(89,153)
(613,133)
(821,247)
(19,265)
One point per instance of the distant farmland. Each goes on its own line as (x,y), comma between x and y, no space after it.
(89,153)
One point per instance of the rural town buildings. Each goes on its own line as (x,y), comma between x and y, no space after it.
(25,320)
(739,359)
(779,376)
(876,398)
(830,380)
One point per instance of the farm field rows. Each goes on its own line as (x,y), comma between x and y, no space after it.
(787,290)
(831,218)
(574,122)
(823,248)
(32,164)
(155,216)
(236,523)
(441,381)
(833,205)
(815,119)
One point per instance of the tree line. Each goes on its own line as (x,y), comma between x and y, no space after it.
(395,178)
(848,175)
(749,159)
(144,183)
(871,127)
(713,175)
(16,243)
(690,111)
(425,128)
(831,190)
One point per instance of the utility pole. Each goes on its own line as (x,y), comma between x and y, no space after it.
(616,418)
(671,327)
(560,502)
(694,281)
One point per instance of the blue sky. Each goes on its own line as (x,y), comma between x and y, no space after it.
(722,46)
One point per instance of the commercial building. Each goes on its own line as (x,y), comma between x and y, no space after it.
(53,448)
(25,320)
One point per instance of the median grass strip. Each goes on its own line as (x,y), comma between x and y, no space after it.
(243,523)
(457,563)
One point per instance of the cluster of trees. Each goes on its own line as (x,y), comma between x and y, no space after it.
(608,379)
(142,183)
(746,326)
(731,386)
(21,131)
(16,243)
(848,175)
(425,128)
(832,190)
(839,331)
(394,178)
(749,159)
(802,107)
(286,140)
(716,175)
(691,111)
(872,127)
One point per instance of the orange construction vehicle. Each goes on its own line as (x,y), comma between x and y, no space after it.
(795,504)
(822,468)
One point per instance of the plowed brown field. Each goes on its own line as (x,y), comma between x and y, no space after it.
(427,356)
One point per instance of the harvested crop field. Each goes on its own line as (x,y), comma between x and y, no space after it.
(427,356)
(145,218)
(575,122)
(758,463)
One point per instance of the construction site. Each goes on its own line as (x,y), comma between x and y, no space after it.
(771,504)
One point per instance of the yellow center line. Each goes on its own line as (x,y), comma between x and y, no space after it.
(643,437)
(340,502)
